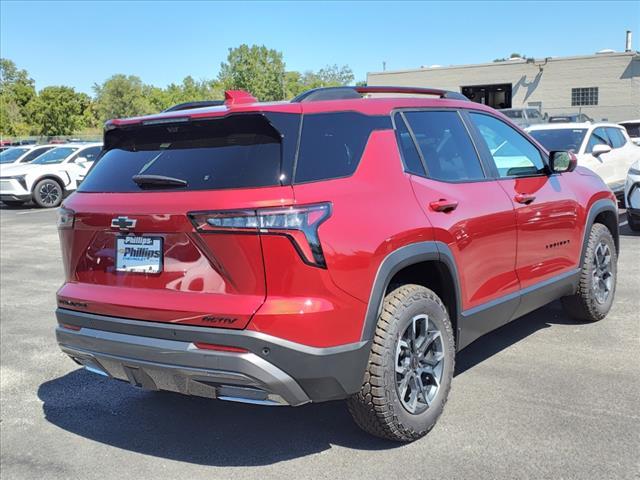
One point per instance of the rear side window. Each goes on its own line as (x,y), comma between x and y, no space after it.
(445,146)
(617,137)
(410,156)
(239,151)
(331,144)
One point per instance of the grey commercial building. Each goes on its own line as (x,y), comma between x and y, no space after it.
(604,85)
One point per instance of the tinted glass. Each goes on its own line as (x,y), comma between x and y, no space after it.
(445,145)
(90,154)
(35,153)
(239,151)
(617,137)
(512,153)
(11,154)
(332,143)
(560,139)
(533,113)
(55,155)
(598,137)
(512,113)
(633,129)
(410,156)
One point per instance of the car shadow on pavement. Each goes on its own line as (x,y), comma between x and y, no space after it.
(197,430)
(510,334)
(208,432)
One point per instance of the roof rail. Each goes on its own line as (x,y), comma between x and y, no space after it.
(190,105)
(342,93)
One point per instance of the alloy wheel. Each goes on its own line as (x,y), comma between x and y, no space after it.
(419,364)
(602,273)
(49,194)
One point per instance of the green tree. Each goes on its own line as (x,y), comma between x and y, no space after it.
(59,110)
(121,96)
(329,76)
(256,69)
(17,90)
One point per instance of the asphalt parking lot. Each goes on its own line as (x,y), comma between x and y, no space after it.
(543,397)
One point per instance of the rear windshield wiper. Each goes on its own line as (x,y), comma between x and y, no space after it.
(158,181)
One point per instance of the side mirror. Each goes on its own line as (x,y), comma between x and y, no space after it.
(561,161)
(600,149)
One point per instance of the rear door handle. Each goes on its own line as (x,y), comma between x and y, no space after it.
(443,205)
(525,198)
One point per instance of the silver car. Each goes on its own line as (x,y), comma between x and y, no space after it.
(524,117)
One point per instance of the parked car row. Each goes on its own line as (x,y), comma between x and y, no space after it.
(44,174)
(604,148)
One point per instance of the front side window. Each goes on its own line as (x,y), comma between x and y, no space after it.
(512,153)
(35,153)
(617,137)
(633,129)
(598,137)
(90,154)
(55,155)
(445,145)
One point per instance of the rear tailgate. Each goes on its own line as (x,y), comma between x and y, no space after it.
(191,277)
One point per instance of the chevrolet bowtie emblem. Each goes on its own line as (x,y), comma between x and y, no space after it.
(123,223)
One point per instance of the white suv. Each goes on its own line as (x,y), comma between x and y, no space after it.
(604,148)
(49,177)
(22,154)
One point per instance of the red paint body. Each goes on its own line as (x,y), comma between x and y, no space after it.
(261,282)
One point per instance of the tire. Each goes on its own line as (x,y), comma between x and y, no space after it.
(13,203)
(378,408)
(47,193)
(587,304)
(634,222)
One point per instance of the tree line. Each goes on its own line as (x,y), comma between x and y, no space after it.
(61,110)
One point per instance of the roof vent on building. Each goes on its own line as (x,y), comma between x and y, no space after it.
(605,50)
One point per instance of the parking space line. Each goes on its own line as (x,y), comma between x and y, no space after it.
(32,211)
(623,223)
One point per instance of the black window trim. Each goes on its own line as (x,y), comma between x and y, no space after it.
(461,115)
(489,158)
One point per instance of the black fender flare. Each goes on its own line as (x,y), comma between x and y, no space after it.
(51,176)
(396,261)
(598,207)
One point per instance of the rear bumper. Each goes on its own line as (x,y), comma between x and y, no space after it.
(160,356)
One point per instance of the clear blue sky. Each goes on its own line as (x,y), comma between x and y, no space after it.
(80,43)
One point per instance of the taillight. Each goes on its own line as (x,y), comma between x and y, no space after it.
(66,218)
(299,223)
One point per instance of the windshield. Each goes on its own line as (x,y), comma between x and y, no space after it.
(560,139)
(513,113)
(12,154)
(57,155)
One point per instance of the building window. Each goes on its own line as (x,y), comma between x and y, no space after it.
(584,96)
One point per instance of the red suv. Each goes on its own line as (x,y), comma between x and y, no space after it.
(344,245)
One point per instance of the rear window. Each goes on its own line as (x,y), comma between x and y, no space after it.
(331,144)
(560,139)
(238,151)
(633,129)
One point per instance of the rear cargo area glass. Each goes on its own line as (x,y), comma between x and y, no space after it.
(240,151)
